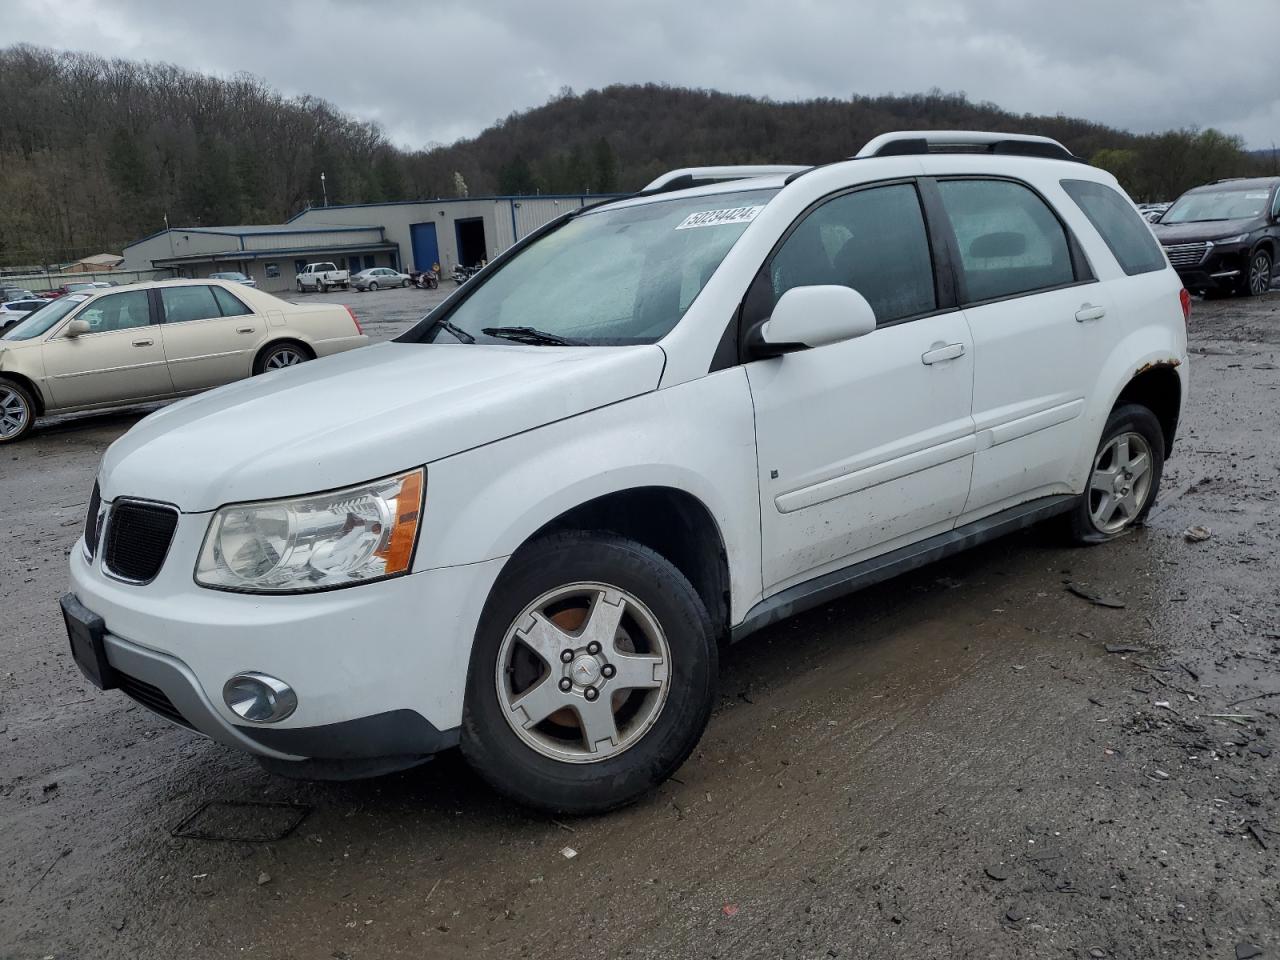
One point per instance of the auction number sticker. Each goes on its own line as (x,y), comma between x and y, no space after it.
(719,218)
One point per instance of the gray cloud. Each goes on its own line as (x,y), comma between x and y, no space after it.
(441,71)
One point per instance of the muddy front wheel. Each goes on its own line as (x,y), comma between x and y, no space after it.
(592,676)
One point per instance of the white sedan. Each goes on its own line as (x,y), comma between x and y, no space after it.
(155,341)
(376,277)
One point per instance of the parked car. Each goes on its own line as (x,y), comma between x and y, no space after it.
(9,294)
(67,288)
(376,277)
(153,341)
(1152,212)
(15,310)
(527,524)
(1224,237)
(232,276)
(322,276)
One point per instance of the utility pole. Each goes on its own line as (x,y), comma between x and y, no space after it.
(323,189)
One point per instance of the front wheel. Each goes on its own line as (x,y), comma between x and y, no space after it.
(1258,278)
(1124,479)
(373,287)
(300,286)
(592,674)
(404,283)
(17,411)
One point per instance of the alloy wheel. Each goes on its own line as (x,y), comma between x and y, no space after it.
(1260,274)
(284,357)
(1120,483)
(583,673)
(14,413)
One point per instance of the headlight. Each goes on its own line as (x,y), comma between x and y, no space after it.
(316,542)
(1224,241)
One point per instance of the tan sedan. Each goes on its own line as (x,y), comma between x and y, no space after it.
(155,341)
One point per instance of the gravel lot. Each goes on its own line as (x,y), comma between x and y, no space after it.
(969,761)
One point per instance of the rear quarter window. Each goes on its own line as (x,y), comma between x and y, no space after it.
(1124,232)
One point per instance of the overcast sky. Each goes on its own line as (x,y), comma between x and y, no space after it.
(440,71)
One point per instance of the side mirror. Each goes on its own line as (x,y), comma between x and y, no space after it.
(78,328)
(813,317)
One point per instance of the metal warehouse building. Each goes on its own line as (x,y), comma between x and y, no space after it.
(409,235)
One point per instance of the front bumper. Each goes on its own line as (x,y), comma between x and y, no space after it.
(1221,268)
(379,669)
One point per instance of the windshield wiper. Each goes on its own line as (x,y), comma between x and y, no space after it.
(457,331)
(532,335)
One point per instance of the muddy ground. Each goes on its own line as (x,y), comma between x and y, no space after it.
(959,763)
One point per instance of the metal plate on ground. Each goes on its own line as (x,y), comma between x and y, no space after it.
(243,821)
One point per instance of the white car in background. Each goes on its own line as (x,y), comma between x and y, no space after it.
(154,341)
(529,523)
(383,277)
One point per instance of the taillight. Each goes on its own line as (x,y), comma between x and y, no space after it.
(359,330)
(1185,297)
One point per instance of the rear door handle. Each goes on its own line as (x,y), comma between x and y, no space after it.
(245,330)
(1089,312)
(143,343)
(942,352)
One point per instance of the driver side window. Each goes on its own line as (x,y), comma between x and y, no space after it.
(117,311)
(873,241)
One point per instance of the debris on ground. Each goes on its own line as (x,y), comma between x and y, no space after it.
(730,910)
(264,878)
(996,871)
(1245,951)
(1122,648)
(568,852)
(1197,534)
(1096,599)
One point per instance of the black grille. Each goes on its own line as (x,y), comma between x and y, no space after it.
(91,522)
(1186,254)
(138,536)
(151,697)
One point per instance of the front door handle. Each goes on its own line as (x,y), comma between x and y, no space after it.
(143,343)
(1089,312)
(942,352)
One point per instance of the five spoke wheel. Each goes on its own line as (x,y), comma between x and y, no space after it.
(1121,482)
(583,672)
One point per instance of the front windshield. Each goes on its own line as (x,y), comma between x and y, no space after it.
(1224,204)
(614,276)
(38,322)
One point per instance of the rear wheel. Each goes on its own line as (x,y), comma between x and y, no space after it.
(281,355)
(592,675)
(373,286)
(1125,477)
(322,286)
(17,411)
(300,286)
(1258,276)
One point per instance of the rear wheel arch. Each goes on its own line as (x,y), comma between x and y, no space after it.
(1157,387)
(673,523)
(280,342)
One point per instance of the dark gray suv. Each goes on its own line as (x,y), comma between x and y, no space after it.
(1224,237)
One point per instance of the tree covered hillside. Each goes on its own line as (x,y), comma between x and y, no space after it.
(95,153)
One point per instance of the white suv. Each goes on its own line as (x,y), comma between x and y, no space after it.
(653,426)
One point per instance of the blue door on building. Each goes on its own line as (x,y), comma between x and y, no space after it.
(426,251)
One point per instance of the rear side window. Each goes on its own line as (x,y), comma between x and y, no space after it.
(1010,242)
(873,241)
(1123,230)
(229,303)
(182,304)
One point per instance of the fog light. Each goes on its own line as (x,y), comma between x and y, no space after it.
(259,698)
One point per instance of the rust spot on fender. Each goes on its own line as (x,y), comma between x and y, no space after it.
(1171,363)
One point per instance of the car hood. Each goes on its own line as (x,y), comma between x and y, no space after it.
(1168,233)
(362,415)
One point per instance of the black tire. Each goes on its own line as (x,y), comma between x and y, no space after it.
(300,289)
(1257,274)
(1129,418)
(373,286)
(516,769)
(403,284)
(262,363)
(15,399)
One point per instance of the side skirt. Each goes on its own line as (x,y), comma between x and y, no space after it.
(839,583)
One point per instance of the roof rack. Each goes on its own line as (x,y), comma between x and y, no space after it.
(700,176)
(914,142)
